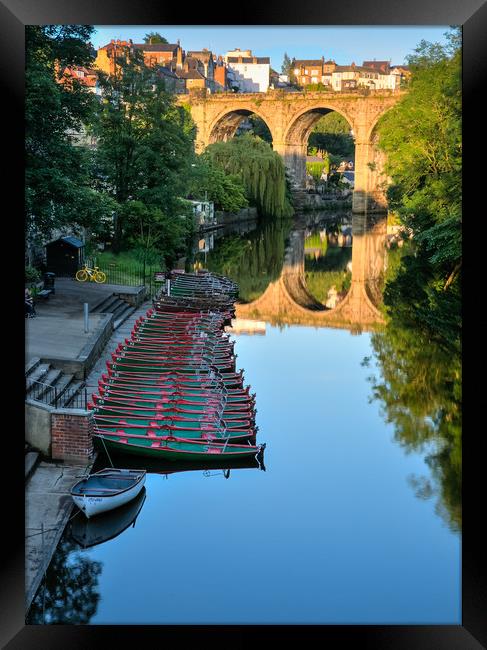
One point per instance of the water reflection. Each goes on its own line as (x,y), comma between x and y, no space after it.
(419,388)
(68,593)
(328,261)
(331,272)
(306,271)
(97,530)
(252,258)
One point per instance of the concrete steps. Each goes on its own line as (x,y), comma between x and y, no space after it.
(120,309)
(70,399)
(52,386)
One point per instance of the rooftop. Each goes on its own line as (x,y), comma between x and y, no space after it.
(308,62)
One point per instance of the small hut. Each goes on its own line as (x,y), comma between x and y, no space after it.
(64,256)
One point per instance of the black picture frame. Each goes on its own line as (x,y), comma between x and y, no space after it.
(14,15)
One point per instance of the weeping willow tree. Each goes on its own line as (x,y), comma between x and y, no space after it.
(261,170)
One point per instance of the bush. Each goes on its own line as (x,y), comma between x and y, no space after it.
(32,274)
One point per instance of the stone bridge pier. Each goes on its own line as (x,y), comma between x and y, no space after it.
(290,118)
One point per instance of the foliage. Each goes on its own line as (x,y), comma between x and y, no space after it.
(252,260)
(315,169)
(32,274)
(421,136)
(259,128)
(154,37)
(320,87)
(420,392)
(57,173)
(152,235)
(319,283)
(418,353)
(331,134)
(328,269)
(287,66)
(210,181)
(143,159)
(261,169)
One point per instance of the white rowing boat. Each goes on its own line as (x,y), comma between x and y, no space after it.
(107,489)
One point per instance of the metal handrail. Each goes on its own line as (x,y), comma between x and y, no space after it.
(80,396)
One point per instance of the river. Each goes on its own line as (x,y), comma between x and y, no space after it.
(349,520)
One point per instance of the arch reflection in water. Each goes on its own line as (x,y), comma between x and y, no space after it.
(287,300)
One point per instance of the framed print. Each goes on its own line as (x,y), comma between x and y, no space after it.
(283,185)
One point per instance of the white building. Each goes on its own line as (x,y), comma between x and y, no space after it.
(248,73)
(354,76)
(204,213)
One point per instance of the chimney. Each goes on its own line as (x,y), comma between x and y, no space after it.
(179,58)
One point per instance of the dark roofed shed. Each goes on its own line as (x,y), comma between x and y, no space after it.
(64,256)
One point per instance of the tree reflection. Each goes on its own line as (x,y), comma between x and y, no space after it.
(68,594)
(420,391)
(253,260)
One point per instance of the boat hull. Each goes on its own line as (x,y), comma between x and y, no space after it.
(96,503)
(168,453)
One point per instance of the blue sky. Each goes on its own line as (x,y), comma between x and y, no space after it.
(343,44)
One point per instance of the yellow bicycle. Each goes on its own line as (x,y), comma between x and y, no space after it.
(94,275)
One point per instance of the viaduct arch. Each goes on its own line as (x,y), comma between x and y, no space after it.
(290,118)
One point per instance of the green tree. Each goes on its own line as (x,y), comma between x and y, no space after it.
(259,128)
(154,37)
(287,68)
(421,136)
(144,155)
(261,170)
(209,181)
(58,189)
(332,134)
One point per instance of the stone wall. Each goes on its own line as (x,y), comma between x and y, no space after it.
(38,426)
(244,214)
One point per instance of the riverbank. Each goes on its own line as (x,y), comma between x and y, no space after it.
(48,507)
(223,219)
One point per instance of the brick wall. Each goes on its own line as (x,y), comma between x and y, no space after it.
(72,435)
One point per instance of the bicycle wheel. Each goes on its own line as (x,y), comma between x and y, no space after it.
(100,276)
(81,275)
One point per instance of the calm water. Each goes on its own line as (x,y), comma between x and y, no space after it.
(334,531)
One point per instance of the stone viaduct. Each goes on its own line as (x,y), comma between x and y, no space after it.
(287,301)
(290,118)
